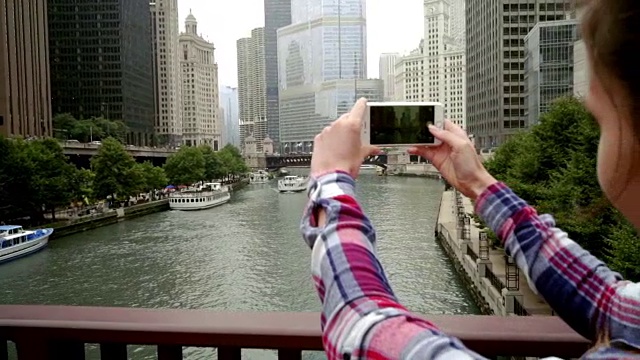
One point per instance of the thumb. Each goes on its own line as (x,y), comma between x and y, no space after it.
(369,150)
(447,137)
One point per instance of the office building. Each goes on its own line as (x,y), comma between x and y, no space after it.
(324,47)
(167,83)
(495,32)
(231,117)
(580,70)
(252,87)
(200,99)
(548,65)
(435,71)
(457,21)
(387,73)
(277,14)
(101,61)
(25,97)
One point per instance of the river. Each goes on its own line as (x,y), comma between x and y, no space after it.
(245,255)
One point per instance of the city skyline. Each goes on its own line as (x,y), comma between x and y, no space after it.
(390,28)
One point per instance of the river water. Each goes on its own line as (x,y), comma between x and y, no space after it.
(245,255)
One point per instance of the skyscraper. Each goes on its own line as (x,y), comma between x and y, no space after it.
(277,14)
(25,97)
(167,83)
(495,31)
(229,104)
(252,87)
(435,71)
(548,65)
(200,99)
(388,74)
(101,59)
(325,45)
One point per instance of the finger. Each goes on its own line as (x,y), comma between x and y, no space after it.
(452,127)
(370,150)
(356,115)
(424,151)
(447,137)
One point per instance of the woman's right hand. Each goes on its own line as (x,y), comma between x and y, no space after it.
(456,159)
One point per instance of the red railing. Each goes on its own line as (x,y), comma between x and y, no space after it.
(61,332)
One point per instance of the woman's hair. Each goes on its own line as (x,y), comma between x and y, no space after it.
(611,31)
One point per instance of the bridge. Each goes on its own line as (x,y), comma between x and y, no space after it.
(61,332)
(81,153)
(276,162)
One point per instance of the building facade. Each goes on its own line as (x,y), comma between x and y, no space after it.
(435,71)
(548,65)
(387,73)
(252,87)
(580,70)
(324,46)
(167,83)
(231,116)
(277,14)
(25,94)
(200,99)
(495,31)
(101,63)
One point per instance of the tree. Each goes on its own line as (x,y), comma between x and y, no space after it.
(553,167)
(67,127)
(213,166)
(187,166)
(52,176)
(154,177)
(115,171)
(15,179)
(232,160)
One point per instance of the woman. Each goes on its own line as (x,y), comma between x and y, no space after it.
(361,317)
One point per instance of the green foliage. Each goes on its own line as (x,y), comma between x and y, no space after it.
(34,177)
(153,177)
(116,173)
(67,127)
(553,167)
(192,164)
(187,166)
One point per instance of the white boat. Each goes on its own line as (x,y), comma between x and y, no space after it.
(367,168)
(260,177)
(293,184)
(199,198)
(15,242)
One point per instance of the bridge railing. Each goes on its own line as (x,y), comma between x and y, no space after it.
(59,332)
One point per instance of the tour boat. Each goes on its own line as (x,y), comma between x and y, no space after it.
(15,242)
(292,184)
(260,177)
(199,198)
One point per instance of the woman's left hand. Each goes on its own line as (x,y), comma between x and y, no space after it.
(339,146)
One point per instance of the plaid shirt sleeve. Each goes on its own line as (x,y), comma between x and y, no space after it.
(361,316)
(590,297)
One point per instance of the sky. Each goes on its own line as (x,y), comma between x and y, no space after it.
(392,26)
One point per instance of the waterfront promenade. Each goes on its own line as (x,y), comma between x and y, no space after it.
(496,283)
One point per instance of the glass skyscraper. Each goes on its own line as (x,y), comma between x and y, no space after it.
(548,65)
(322,67)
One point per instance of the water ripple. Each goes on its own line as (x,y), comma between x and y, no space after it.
(246,255)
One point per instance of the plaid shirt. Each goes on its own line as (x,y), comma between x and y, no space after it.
(362,318)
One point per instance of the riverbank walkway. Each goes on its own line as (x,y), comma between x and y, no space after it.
(532,303)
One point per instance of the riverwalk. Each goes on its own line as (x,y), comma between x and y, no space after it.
(496,283)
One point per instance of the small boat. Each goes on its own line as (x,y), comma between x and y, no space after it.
(293,184)
(15,242)
(199,198)
(260,177)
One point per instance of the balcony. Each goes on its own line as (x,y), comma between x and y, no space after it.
(61,332)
